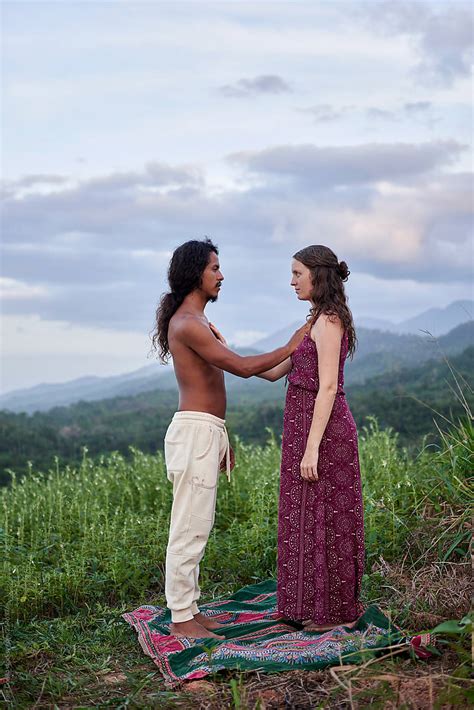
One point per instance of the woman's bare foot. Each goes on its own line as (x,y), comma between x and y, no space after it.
(310,626)
(207,622)
(192,629)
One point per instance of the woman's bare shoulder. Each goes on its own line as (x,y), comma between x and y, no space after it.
(325,324)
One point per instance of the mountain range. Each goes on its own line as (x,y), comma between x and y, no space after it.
(436,321)
(406,400)
(378,351)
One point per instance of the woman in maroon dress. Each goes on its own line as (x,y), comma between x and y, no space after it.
(320,519)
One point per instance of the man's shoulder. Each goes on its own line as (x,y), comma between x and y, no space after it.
(185,323)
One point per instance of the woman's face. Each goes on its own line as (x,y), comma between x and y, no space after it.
(301,280)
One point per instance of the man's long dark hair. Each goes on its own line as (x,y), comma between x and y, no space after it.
(184,276)
(327,275)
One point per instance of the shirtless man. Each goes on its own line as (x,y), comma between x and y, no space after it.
(196,442)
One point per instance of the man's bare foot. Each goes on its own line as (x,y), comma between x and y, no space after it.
(310,626)
(191,629)
(207,622)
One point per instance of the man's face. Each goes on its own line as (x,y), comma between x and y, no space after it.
(212,278)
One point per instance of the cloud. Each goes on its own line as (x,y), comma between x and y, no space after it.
(441,32)
(421,231)
(35,180)
(11,289)
(247,337)
(419,111)
(422,112)
(417,107)
(154,175)
(326,113)
(96,253)
(346,165)
(380,114)
(264,84)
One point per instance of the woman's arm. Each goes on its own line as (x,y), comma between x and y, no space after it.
(277,372)
(327,336)
(272,375)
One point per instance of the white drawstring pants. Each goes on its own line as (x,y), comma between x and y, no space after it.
(195,444)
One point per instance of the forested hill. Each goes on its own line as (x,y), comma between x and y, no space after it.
(141,420)
(377,352)
(406,400)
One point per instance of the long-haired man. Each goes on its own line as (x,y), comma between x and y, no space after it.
(196,441)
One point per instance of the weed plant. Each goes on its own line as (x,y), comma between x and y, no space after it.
(97,534)
(83,545)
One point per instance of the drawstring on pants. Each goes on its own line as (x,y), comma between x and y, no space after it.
(227,454)
(211,418)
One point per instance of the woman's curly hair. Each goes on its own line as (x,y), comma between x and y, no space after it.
(329,297)
(184,276)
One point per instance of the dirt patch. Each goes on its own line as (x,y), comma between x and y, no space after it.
(433,593)
(114,678)
(200,686)
(388,684)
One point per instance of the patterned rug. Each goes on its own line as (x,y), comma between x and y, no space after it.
(256,639)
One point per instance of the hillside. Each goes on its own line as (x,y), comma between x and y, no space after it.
(377,352)
(437,321)
(403,399)
(89,544)
(141,421)
(44,397)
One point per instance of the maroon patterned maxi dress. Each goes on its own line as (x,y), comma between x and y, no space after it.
(320,523)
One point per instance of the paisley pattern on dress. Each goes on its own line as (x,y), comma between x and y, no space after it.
(320,523)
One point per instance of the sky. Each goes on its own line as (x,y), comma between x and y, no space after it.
(131,127)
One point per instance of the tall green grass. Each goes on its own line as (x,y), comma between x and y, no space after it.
(82,537)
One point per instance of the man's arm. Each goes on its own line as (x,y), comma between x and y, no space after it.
(196,335)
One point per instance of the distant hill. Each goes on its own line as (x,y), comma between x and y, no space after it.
(377,352)
(90,389)
(375,324)
(407,401)
(437,321)
(141,420)
(41,398)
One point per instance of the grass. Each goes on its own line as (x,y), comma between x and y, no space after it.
(83,545)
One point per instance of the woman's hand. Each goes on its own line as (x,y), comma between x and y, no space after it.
(309,465)
(218,334)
